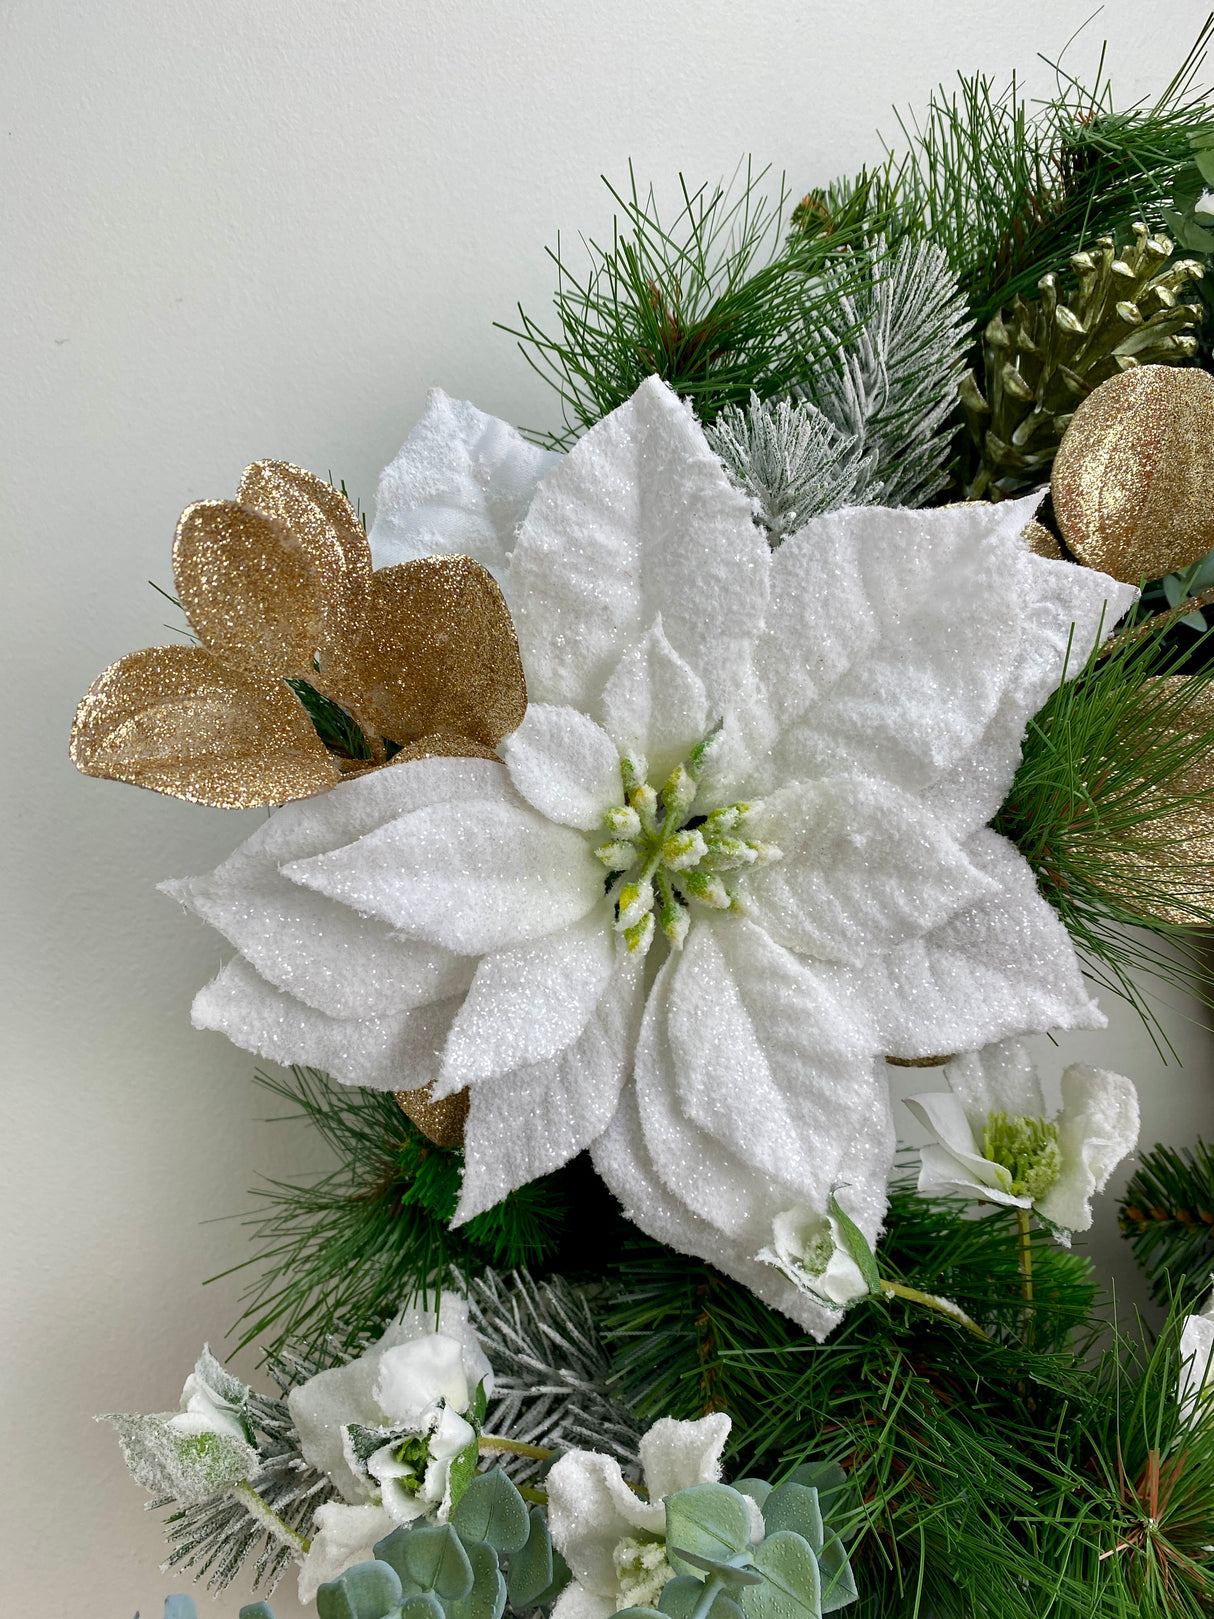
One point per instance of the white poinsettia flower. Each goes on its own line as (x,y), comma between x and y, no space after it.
(995,1143)
(613,1541)
(386,1428)
(459,486)
(811,1250)
(1196,1385)
(773,771)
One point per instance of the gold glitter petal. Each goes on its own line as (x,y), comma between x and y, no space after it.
(175,720)
(324,520)
(442,1122)
(252,590)
(439,653)
(1041,542)
(443,745)
(1133,481)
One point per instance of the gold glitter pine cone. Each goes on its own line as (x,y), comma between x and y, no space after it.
(1133,481)
(279,586)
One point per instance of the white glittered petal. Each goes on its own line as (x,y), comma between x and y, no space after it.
(528,1003)
(1001,968)
(638,519)
(343,1535)
(531,1121)
(655,704)
(953,1166)
(402,1052)
(763,1061)
(321,952)
(622,1159)
(678,1455)
(865,867)
(902,661)
(471,876)
(459,486)
(1097,1128)
(577,1602)
(590,1510)
(565,765)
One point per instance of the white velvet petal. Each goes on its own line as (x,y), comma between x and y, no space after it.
(531,1121)
(1097,1128)
(565,765)
(953,1165)
(401,1052)
(343,1536)
(322,952)
(1003,967)
(762,1057)
(471,876)
(655,704)
(865,867)
(459,486)
(590,1510)
(577,1602)
(529,1003)
(639,519)
(623,1160)
(677,1455)
(412,1376)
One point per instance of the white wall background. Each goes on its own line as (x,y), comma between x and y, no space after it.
(235,231)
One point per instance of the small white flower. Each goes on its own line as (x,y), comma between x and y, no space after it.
(810,1249)
(1204,206)
(213,1401)
(994,1142)
(613,1541)
(386,1428)
(1196,1385)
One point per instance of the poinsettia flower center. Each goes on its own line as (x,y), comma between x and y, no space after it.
(1027,1149)
(665,856)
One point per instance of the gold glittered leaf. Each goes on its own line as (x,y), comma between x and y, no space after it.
(325,522)
(1041,542)
(175,720)
(439,653)
(442,1122)
(252,590)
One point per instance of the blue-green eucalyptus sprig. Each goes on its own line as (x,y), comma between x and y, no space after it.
(494,1547)
(799,1569)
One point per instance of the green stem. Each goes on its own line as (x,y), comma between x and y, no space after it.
(515,1447)
(1025,1254)
(538,1497)
(269,1519)
(932,1301)
(713,1586)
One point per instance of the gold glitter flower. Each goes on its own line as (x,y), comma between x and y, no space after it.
(293,622)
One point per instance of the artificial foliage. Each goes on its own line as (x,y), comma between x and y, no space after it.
(1167,1216)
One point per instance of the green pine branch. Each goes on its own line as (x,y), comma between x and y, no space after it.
(1167,1216)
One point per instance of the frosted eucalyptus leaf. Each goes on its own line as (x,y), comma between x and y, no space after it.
(434,1560)
(487,1598)
(682,1596)
(830,1481)
(792,1585)
(492,1509)
(421,1605)
(181,1606)
(561,1577)
(531,1568)
(838,1581)
(366,1591)
(758,1489)
(733,1572)
(708,1520)
(795,1507)
(256,1610)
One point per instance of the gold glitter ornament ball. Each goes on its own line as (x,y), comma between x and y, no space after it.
(1133,480)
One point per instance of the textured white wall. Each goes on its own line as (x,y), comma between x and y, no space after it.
(236,231)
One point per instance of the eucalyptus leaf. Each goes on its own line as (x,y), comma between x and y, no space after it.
(435,1561)
(420,1605)
(561,1577)
(838,1581)
(681,1597)
(637,1613)
(181,1606)
(487,1598)
(531,1568)
(734,1572)
(758,1489)
(830,1481)
(252,1610)
(1203,156)
(792,1584)
(708,1520)
(795,1506)
(857,1246)
(492,1509)
(366,1591)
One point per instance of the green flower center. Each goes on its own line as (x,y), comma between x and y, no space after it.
(1027,1148)
(816,1251)
(664,857)
(413,1453)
